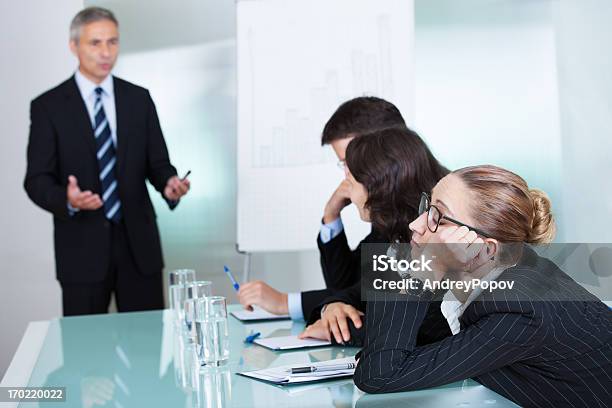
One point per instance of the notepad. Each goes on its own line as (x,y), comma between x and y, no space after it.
(290,343)
(281,375)
(257,314)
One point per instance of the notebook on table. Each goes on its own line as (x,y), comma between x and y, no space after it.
(257,314)
(282,375)
(290,343)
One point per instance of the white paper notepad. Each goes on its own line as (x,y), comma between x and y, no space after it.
(257,314)
(290,342)
(282,375)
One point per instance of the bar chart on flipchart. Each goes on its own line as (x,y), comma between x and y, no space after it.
(293,72)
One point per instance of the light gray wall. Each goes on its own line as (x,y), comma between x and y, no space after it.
(35,57)
(583,34)
(486,87)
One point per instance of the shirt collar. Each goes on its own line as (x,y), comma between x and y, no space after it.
(450,301)
(87,87)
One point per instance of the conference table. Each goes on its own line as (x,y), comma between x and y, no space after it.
(140,360)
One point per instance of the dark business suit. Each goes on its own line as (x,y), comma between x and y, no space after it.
(545,343)
(339,263)
(341,268)
(87,248)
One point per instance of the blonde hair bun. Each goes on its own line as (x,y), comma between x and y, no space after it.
(543,226)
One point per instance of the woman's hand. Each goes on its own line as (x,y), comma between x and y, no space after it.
(452,249)
(335,319)
(315,331)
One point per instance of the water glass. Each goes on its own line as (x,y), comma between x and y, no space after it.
(195,290)
(181,276)
(177,280)
(211,330)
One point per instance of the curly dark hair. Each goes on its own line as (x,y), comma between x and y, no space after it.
(395,166)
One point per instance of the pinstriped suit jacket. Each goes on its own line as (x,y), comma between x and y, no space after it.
(545,343)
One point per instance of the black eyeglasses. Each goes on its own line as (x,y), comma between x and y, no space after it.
(434,216)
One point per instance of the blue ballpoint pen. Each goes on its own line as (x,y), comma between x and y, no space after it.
(231,277)
(251,337)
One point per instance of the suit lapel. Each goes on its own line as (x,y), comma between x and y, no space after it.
(78,111)
(122,111)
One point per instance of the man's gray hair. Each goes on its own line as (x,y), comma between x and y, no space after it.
(89,15)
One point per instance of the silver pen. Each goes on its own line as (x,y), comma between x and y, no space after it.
(313,369)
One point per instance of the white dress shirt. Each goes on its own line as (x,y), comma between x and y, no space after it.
(87,89)
(452,309)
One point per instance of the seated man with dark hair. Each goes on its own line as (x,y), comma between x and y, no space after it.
(340,264)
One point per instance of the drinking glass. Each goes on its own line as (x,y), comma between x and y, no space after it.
(177,280)
(194,290)
(211,330)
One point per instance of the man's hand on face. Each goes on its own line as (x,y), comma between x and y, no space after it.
(338,200)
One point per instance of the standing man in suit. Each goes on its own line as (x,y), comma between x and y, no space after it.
(94,141)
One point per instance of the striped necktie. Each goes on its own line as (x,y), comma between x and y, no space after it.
(107,160)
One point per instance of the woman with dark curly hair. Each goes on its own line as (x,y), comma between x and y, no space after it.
(387,171)
(392,167)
